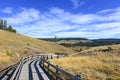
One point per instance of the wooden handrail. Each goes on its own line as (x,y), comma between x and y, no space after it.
(72,77)
(44,60)
(23,60)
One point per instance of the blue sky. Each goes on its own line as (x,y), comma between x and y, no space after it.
(63,18)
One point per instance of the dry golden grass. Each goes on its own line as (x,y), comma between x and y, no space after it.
(18,44)
(91,68)
(79,48)
(15,45)
(4,58)
(12,39)
(96,67)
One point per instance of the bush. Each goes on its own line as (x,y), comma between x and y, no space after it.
(9,53)
(11,29)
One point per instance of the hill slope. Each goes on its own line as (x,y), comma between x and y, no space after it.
(109,49)
(96,63)
(13,46)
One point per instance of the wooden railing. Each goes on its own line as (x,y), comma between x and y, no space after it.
(18,69)
(7,70)
(44,60)
(24,60)
(56,71)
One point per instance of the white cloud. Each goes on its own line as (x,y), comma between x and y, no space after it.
(109,10)
(58,22)
(7,10)
(24,16)
(77,3)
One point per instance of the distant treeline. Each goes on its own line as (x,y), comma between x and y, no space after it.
(93,43)
(3,26)
(59,39)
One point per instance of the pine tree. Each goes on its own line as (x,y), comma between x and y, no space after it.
(10,28)
(1,24)
(5,25)
(55,39)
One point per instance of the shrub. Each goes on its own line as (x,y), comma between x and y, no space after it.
(9,53)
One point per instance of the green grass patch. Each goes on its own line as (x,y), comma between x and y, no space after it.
(8,53)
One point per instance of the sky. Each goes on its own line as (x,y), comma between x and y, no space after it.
(91,19)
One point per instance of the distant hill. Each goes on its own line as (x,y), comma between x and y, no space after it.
(13,46)
(59,39)
(69,42)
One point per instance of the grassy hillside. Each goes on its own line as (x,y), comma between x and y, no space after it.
(13,46)
(113,49)
(98,63)
(80,44)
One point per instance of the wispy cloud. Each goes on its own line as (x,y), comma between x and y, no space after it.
(7,10)
(77,3)
(24,16)
(31,22)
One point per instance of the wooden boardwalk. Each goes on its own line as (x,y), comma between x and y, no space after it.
(33,68)
(32,71)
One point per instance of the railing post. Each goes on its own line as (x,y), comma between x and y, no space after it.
(51,57)
(32,56)
(57,56)
(48,67)
(78,76)
(38,56)
(56,72)
(28,58)
(43,63)
(42,60)
(43,57)
(47,57)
